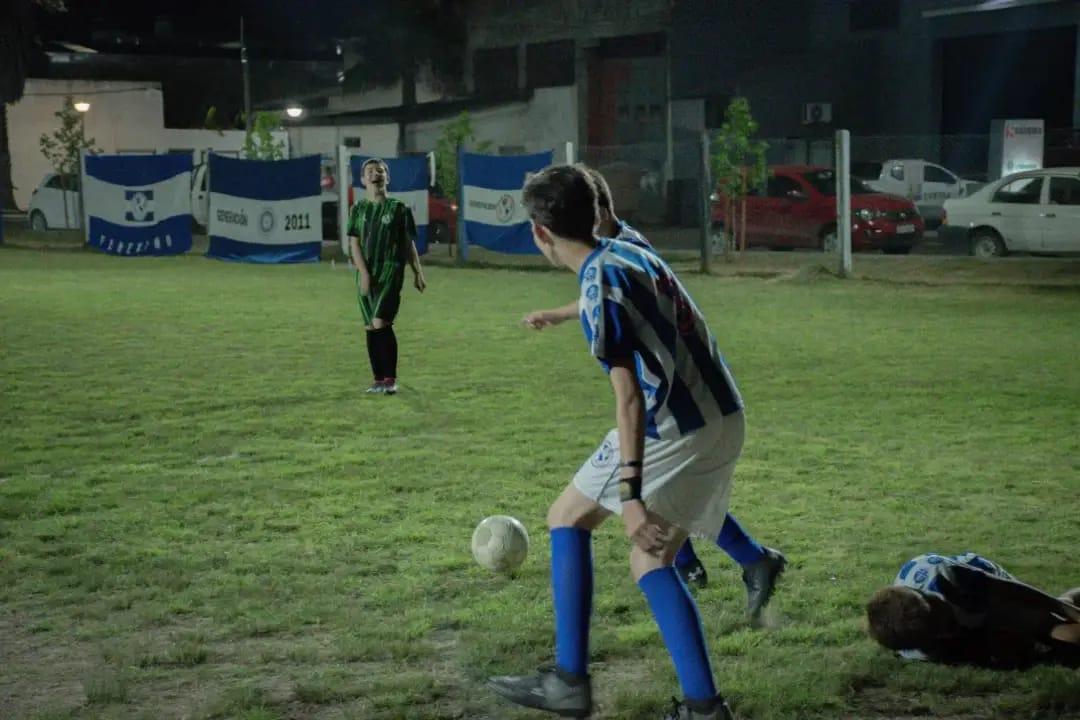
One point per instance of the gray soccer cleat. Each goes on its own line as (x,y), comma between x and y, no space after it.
(549,688)
(377,388)
(760,580)
(715,709)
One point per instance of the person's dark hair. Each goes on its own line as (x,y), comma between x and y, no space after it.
(562,198)
(900,618)
(603,192)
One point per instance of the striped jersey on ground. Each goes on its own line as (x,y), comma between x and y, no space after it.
(632,305)
(921,573)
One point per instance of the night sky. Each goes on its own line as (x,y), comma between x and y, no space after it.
(284,27)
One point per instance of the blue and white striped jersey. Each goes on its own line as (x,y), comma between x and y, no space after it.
(632,305)
(921,573)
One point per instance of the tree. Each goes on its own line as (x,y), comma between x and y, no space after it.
(456,135)
(738,164)
(399,40)
(16,46)
(259,143)
(63,149)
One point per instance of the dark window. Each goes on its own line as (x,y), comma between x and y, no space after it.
(1064,191)
(824,181)
(874,15)
(550,64)
(935,174)
(783,187)
(866,170)
(1025,191)
(495,71)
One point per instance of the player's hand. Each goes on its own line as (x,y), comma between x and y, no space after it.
(365,282)
(419,282)
(538,320)
(644,529)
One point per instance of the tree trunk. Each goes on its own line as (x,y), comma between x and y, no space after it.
(742,196)
(7,191)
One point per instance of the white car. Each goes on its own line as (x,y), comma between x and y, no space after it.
(924,183)
(46,209)
(1036,211)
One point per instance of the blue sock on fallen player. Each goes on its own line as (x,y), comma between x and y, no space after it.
(680,626)
(572,588)
(737,543)
(686,555)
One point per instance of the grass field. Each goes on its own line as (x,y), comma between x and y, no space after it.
(202,516)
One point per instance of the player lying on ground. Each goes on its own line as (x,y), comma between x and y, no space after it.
(382,241)
(666,468)
(761,566)
(965,609)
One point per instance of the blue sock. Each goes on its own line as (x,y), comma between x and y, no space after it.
(680,626)
(737,543)
(686,555)
(572,588)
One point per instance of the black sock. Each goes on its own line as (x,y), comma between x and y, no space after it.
(374,354)
(391,352)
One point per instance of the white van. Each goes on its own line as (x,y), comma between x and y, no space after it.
(924,183)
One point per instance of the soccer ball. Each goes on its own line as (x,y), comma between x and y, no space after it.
(500,543)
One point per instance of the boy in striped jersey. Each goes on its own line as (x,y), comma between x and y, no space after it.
(761,565)
(666,468)
(382,238)
(965,609)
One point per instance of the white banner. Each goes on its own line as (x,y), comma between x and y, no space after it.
(138,205)
(266,222)
(493,207)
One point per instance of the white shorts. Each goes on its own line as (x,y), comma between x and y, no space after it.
(686,481)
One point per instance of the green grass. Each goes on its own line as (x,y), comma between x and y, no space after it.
(202,516)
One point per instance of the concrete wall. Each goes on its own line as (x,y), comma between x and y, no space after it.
(124,117)
(547,121)
(374,139)
(121,115)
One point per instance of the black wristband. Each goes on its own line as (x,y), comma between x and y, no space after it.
(630,488)
(631,464)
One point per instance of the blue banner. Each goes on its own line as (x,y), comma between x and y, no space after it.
(138,204)
(491,200)
(409,182)
(265,211)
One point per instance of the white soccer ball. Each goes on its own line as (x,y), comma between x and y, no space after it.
(500,543)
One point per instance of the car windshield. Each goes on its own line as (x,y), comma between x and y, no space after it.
(824,181)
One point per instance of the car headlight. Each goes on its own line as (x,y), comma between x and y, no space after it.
(714,197)
(866,214)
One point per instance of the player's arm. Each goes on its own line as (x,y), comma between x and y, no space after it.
(540,319)
(414,257)
(630,421)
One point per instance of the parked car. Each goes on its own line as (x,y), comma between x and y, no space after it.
(798,210)
(1035,211)
(926,184)
(46,208)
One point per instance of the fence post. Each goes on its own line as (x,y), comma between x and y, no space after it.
(843,200)
(706,204)
(344,180)
(462,241)
(83,221)
(570,152)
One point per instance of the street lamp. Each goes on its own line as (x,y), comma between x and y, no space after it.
(82,106)
(294,111)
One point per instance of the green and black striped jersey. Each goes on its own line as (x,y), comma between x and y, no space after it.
(386,231)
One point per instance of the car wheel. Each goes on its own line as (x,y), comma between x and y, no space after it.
(986,244)
(438,232)
(830,241)
(37,221)
(897,250)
